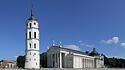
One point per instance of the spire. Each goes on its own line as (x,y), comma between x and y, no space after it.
(32,14)
(32,17)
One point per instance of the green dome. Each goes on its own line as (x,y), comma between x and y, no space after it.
(94,53)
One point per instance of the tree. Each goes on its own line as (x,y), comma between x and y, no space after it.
(43,59)
(114,62)
(20,61)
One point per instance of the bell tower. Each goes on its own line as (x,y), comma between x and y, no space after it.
(32,53)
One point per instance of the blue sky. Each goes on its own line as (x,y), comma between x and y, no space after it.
(84,24)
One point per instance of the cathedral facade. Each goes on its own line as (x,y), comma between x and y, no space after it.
(59,57)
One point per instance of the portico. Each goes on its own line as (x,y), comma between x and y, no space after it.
(58,57)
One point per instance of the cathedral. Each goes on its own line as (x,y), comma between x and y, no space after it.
(60,57)
(57,56)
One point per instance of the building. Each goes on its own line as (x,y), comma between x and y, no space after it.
(7,64)
(32,59)
(99,59)
(59,57)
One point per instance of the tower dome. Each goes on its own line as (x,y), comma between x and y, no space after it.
(32,18)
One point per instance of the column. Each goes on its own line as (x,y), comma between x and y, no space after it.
(93,63)
(88,63)
(57,60)
(60,60)
(65,61)
(51,60)
(85,62)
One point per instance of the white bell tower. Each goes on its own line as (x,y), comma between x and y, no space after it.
(32,58)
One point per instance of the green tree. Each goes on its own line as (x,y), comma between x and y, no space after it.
(20,61)
(43,60)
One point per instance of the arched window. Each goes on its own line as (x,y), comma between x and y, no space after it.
(30,53)
(34,53)
(30,45)
(30,25)
(35,45)
(34,34)
(34,23)
(29,34)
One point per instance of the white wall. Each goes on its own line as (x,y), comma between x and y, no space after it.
(72,60)
(77,62)
(69,61)
(32,45)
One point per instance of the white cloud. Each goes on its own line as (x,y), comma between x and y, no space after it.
(86,45)
(113,40)
(123,44)
(81,43)
(74,47)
